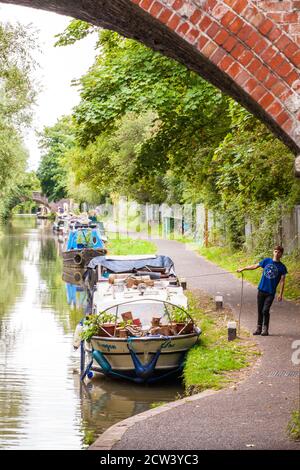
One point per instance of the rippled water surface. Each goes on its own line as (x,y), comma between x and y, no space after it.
(42,403)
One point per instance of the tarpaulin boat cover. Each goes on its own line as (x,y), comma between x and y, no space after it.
(130,266)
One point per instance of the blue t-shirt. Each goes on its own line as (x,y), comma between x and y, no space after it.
(273,270)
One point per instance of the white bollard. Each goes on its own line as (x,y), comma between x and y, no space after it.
(219,302)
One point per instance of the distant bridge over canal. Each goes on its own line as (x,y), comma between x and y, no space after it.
(39,198)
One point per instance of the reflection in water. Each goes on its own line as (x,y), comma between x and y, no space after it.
(42,403)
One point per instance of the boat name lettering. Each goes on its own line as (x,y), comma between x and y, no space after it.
(168,344)
(108,346)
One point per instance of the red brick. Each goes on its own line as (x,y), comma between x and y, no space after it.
(209,5)
(221,37)
(260,46)
(237,51)
(283,42)
(218,56)
(282,118)
(266,26)
(213,30)
(296,59)
(262,73)
(165,15)
(290,50)
(202,41)
(274,34)
(276,61)
(156,9)
(174,22)
(236,25)
(146,4)
(256,19)
(205,23)
(270,81)
(278,89)
(240,5)
(234,70)
(284,69)
(242,77)
(196,16)
(276,17)
(254,65)
(183,28)
(292,77)
(287,126)
(250,85)
(274,109)
(290,17)
(268,54)
(177,4)
(226,63)
(253,39)
(193,35)
(266,100)
(245,32)
(230,43)
(229,2)
(209,49)
(258,92)
(228,18)
(246,57)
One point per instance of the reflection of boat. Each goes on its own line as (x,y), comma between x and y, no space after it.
(83,245)
(107,401)
(140,315)
(59,224)
(73,276)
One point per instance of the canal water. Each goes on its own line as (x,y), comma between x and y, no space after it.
(43,405)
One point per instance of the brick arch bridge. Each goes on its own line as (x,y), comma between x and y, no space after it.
(39,198)
(248,49)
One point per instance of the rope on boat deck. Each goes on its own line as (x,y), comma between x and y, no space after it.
(242,290)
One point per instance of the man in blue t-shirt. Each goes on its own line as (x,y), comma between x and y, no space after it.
(274,272)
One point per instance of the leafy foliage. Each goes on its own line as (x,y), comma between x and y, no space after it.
(17,94)
(55,142)
(150,129)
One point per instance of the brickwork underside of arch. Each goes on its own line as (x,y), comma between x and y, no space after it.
(248,49)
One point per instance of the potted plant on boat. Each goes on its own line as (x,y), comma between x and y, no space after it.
(121,331)
(181,321)
(101,324)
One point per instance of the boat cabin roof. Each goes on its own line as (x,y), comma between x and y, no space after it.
(132,264)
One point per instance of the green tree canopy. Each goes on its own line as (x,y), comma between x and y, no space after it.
(17,93)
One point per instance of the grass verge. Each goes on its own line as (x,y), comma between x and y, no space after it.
(215,362)
(130,246)
(229,260)
(293,428)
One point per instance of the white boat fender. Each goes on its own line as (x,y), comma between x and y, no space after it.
(77,336)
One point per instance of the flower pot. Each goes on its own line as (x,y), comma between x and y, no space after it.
(107,329)
(127,316)
(121,332)
(155,321)
(184,328)
(136,322)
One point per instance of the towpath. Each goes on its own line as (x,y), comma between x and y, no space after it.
(252,415)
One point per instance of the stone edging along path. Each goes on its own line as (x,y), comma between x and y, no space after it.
(254,413)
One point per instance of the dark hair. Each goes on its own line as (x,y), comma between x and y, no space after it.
(279,248)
